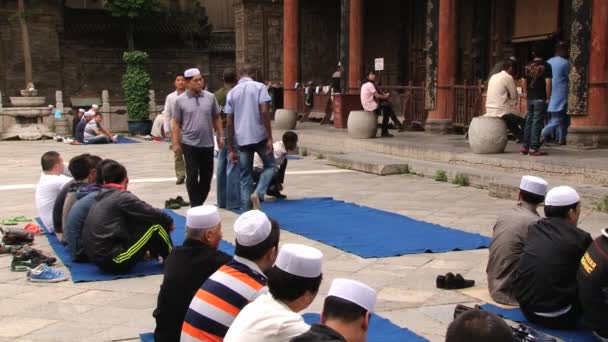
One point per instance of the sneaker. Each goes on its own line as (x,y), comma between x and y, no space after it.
(45,274)
(68,141)
(22,263)
(115,137)
(255,201)
(38,256)
(537,153)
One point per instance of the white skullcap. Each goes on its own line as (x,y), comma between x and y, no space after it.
(251,228)
(534,185)
(202,217)
(300,260)
(562,196)
(51,106)
(89,113)
(94,106)
(354,292)
(192,72)
(81,110)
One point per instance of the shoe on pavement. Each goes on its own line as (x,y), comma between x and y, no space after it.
(38,256)
(255,201)
(524,151)
(172,204)
(537,153)
(46,274)
(180,200)
(180,180)
(386,135)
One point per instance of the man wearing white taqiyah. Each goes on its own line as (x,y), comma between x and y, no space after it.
(509,238)
(346,314)
(293,283)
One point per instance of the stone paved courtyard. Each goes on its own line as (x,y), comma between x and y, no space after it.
(121,309)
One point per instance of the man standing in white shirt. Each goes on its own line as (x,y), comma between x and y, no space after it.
(180,88)
(502,96)
(293,283)
(49,186)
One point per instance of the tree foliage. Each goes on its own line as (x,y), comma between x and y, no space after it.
(133,8)
(136,84)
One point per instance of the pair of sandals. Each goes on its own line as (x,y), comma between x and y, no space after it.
(13,221)
(453,282)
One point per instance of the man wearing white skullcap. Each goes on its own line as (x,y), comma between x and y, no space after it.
(186,268)
(293,283)
(82,124)
(180,88)
(593,286)
(196,115)
(545,276)
(240,281)
(346,314)
(509,238)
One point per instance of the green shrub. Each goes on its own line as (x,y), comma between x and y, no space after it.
(462,180)
(319,155)
(441,176)
(303,151)
(136,84)
(602,205)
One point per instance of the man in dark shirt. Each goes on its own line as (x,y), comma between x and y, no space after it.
(346,314)
(537,75)
(186,269)
(593,286)
(545,279)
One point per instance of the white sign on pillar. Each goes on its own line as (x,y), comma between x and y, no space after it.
(379,64)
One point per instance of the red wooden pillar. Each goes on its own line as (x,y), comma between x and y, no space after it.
(592,129)
(291,52)
(440,119)
(355,45)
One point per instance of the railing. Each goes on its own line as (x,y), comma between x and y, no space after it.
(467,104)
(408,102)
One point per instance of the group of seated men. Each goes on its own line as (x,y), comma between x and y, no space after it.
(552,269)
(89,129)
(96,217)
(256,295)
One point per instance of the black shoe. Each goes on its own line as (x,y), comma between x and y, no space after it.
(172,204)
(386,135)
(453,282)
(179,200)
(440,282)
(180,180)
(276,194)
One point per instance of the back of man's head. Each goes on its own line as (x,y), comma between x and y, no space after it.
(530,197)
(479,326)
(508,64)
(49,160)
(290,140)
(248,70)
(538,49)
(561,49)
(229,76)
(99,170)
(113,172)
(80,166)
(336,308)
(256,252)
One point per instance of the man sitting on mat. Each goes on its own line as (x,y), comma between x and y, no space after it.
(82,124)
(94,133)
(509,239)
(49,186)
(545,276)
(346,313)
(477,325)
(121,229)
(186,268)
(281,149)
(593,286)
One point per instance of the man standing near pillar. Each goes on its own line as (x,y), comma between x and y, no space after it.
(180,88)
(558,104)
(195,115)
(249,131)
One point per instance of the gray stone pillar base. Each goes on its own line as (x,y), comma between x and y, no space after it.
(591,137)
(441,126)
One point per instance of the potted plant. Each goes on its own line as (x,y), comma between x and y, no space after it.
(136,86)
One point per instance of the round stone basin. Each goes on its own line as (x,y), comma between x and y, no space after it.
(31,101)
(26,112)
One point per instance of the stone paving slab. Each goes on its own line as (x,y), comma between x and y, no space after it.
(121,309)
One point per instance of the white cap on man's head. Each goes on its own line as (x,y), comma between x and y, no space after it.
(562,196)
(202,217)
(535,185)
(300,260)
(81,110)
(355,292)
(251,228)
(89,113)
(191,72)
(94,106)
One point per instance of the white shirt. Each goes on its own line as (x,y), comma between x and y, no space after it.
(47,189)
(501,95)
(266,320)
(280,153)
(168,112)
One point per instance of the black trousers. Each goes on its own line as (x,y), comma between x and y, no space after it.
(515,125)
(155,239)
(569,320)
(276,184)
(199,172)
(385,117)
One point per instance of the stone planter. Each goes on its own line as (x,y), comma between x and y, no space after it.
(32,101)
(362,124)
(487,135)
(285,119)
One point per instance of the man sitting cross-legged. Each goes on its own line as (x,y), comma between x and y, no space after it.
(186,268)
(509,239)
(74,223)
(94,133)
(121,229)
(346,314)
(241,280)
(280,148)
(545,276)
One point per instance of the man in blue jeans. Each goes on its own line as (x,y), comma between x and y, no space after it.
(248,128)
(537,78)
(558,104)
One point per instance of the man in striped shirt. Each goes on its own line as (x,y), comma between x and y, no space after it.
(234,285)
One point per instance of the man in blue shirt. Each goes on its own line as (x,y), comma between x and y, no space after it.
(248,130)
(558,103)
